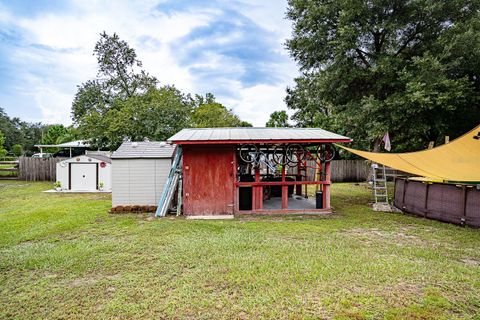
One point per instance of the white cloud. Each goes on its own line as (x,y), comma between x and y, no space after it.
(55,54)
(255,103)
(52,102)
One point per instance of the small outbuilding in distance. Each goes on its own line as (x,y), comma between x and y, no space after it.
(139,172)
(85,173)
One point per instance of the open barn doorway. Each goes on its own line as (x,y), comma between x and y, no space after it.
(274,178)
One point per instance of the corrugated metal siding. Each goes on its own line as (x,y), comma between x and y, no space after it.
(138,181)
(246,134)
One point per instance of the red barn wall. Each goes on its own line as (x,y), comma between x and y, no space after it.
(208,179)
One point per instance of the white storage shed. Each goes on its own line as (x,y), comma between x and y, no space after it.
(85,173)
(139,172)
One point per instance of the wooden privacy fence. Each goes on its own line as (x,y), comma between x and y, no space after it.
(37,169)
(349,170)
(343,170)
(43,169)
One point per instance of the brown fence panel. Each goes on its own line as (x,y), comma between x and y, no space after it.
(37,169)
(349,170)
(459,204)
(341,170)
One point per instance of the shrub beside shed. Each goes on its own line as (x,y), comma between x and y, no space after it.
(139,172)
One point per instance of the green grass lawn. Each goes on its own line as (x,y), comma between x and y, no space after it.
(64,256)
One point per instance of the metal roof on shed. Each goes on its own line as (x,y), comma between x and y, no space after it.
(144,149)
(100,157)
(235,135)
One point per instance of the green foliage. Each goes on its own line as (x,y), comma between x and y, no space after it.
(58,133)
(54,134)
(278,119)
(123,103)
(155,115)
(117,81)
(20,132)
(2,139)
(408,67)
(17,150)
(117,78)
(213,114)
(3,152)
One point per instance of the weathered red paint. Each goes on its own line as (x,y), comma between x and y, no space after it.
(284,190)
(326,187)
(210,185)
(208,180)
(257,196)
(278,183)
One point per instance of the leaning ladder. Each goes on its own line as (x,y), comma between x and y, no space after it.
(380,191)
(170,185)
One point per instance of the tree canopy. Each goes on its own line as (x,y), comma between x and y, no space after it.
(278,119)
(411,68)
(210,114)
(124,102)
(3,152)
(18,132)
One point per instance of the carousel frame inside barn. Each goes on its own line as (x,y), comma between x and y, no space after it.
(273,177)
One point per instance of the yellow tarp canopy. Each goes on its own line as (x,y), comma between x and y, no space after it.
(458,160)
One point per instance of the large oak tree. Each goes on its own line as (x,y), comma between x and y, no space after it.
(410,67)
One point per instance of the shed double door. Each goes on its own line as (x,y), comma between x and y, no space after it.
(208,180)
(83,176)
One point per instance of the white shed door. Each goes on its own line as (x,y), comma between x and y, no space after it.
(83,176)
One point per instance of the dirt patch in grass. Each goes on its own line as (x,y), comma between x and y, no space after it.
(471,261)
(90,280)
(392,237)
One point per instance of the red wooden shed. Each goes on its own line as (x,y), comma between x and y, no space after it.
(230,171)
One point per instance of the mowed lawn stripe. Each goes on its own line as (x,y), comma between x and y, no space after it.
(64,256)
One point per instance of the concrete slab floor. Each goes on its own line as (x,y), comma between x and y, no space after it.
(294,202)
(212,217)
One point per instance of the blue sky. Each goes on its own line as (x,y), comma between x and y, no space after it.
(234,49)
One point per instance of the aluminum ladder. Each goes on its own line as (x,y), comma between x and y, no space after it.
(170,185)
(380,191)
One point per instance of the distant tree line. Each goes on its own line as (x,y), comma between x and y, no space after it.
(18,137)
